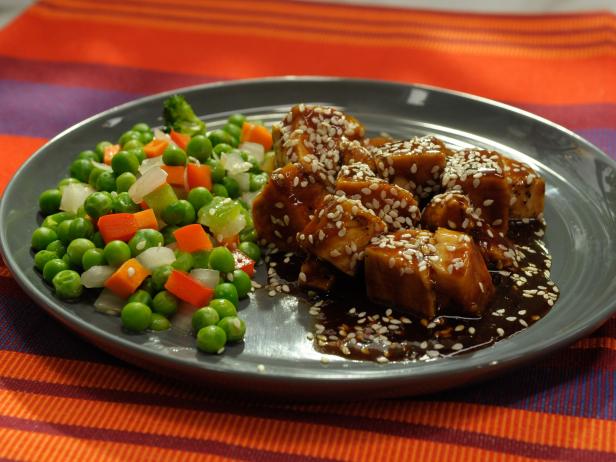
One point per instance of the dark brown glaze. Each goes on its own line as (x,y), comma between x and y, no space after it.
(349,325)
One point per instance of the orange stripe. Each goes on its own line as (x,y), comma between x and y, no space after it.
(29,446)
(459,416)
(503,78)
(426,30)
(15,150)
(608,343)
(258,433)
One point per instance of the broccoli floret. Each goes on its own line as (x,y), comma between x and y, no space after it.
(179,115)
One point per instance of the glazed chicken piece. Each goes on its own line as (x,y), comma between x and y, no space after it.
(311,135)
(285,204)
(316,274)
(428,274)
(356,152)
(394,205)
(416,164)
(339,231)
(454,210)
(480,175)
(527,190)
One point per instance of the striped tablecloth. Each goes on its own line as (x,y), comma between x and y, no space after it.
(63,60)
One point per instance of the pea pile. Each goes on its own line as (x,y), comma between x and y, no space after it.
(160,218)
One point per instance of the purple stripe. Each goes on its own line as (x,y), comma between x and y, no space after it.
(603,138)
(380,426)
(240,23)
(98,76)
(576,116)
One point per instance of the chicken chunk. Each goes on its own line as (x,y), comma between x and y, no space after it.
(355,152)
(285,204)
(461,277)
(394,205)
(339,231)
(480,175)
(454,210)
(527,190)
(316,274)
(416,164)
(397,271)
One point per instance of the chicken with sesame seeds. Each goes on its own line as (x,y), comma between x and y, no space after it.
(527,190)
(316,274)
(339,231)
(355,152)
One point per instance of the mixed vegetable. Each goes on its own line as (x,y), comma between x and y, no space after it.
(158,220)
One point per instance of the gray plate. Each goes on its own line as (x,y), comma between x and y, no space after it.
(580,212)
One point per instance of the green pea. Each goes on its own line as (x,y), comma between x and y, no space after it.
(92,257)
(132,144)
(221,259)
(242,283)
(248,234)
(234,327)
(67,284)
(49,201)
(237,119)
(218,171)
(77,248)
(232,186)
(257,181)
(57,247)
(219,190)
(179,213)
(89,155)
(201,259)
(98,204)
(144,239)
(42,237)
(160,276)
(80,169)
(199,197)
(148,286)
(122,203)
(125,161)
(199,147)
(125,181)
(252,250)
(53,267)
(146,137)
(233,130)
(183,261)
(106,181)
(211,339)
(174,156)
(129,135)
(227,291)
(64,231)
(67,260)
(100,148)
(94,174)
(52,221)
(141,296)
(221,136)
(223,307)
(136,316)
(43,256)
(97,239)
(165,303)
(117,252)
(159,323)
(141,127)
(167,233)
(221,148)
(139,153)
(203,317)
(80,227)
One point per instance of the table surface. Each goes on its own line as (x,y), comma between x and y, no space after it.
(63,60)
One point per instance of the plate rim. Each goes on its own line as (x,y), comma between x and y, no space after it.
(396,375)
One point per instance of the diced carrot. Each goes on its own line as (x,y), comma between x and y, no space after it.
(155,148)
(146,219)
(109,152)
(199,175)
(188,289)
(244,262)
(231,242)
(192,238)
(127,278)
(175,174)
(117,226)
(257,134)
(180,139)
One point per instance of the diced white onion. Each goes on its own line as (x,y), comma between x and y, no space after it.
(102,166)
(161,135)
(243,180)
(232,227)
(254,149)
(74,195)
(233,163)
(207,277)
(96,276)
(248,197)
(182,320)
(154,257)
(152,179)
(147,164)
(109,303)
